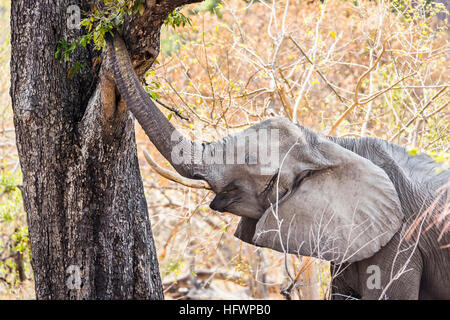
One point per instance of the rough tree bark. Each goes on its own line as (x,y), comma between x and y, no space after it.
(82,188)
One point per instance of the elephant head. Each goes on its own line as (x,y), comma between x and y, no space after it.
(310,196)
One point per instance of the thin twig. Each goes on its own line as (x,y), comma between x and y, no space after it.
(356,98)
(418,113)
(316,70)
(175,111)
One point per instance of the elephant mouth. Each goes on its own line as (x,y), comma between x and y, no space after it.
(228,206)
(224,207)
(232,203)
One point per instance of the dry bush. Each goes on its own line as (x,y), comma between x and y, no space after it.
(304,61)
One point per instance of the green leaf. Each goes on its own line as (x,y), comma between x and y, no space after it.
(141,9)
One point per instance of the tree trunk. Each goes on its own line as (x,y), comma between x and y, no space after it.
(310,288)
(87,215)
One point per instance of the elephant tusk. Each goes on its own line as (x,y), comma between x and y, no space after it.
(175,177)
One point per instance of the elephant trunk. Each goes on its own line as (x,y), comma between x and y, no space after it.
(155,124)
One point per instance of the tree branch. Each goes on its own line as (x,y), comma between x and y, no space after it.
(356,98)
(420,112)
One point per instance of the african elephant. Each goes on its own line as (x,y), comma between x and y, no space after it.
(357,203)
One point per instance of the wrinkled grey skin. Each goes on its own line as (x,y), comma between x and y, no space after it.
(349,201)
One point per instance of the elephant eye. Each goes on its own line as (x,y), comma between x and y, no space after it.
(229,189)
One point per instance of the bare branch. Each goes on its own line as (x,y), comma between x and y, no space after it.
(356,98)
(175,111)
(315,69)
(420,112)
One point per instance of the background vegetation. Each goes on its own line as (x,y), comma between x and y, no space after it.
(347,68)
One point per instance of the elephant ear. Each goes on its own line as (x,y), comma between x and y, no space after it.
(343,213)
